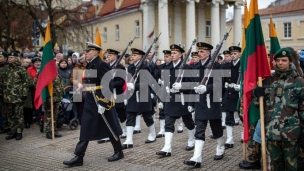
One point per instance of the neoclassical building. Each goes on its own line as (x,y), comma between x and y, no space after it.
(178,21)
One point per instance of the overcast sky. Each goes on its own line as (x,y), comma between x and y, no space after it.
(261,4)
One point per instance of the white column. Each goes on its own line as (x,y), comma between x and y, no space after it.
(163,26)
(223,25)
(215,22)
(190,24)
(201,23)
(237,23)
(148,22)
(178,38)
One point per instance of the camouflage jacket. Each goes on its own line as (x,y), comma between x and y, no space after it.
(284,105)
(15,82)
(1,84)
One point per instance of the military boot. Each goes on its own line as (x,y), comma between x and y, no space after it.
(11,136)
(250,165)
(76,161)
(19,136)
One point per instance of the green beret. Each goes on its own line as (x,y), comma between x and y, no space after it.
(4,54)
(283,52)
(13,54)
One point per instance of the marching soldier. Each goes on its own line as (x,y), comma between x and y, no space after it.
(134,105)
(227,56)
(162,80)
(175,106)
(118,89)
(207,108)
(5,127)
(15,86)
(99,119)
(231,96)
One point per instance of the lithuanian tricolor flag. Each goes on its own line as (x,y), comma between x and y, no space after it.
(47,72)
(274,42)
(254,62)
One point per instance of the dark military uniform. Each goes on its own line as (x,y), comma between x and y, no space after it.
(93,126)
(207,107)
(15,86)
(175,107)
(135,106)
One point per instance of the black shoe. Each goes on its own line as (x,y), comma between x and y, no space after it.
(136,131)
(27,126)
(19,136)
(116,156)
(250,165)
(242,141)
(11,136)
(160,135)
(179,131)
(126,146)
(57,134)
(192,163)
(189,148)
(102,141)
(163,153)
(236,123)
(149,141)
(228,146)
(123,137)
(41,124)
(224,127)
(76,161)
(9,133)
(216,157)
(48,135)
(3,131)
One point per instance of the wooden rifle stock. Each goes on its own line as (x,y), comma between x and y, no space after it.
(212,61)
(122,55)
(153,54)
(142,60)
(182,66)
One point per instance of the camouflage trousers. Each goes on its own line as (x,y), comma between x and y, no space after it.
(253,148)
(6,124)
(14,114)
(47,115)
(283,155)
(301,156)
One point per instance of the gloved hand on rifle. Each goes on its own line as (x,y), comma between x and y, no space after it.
(201,89)
(160,105)
(236,87)
(177,86)
(130,86)
(101,109)
(259,91)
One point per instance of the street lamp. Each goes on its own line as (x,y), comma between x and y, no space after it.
(41,5)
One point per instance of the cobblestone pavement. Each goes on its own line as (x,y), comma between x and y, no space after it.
(35,152)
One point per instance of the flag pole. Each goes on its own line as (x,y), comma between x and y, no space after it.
(244,150)
(261,99)
(52,116)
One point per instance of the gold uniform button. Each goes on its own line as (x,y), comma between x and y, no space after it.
(229,93)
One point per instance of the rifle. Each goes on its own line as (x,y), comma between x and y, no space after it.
(182,66)
(134,77)
(212,61)
(153,54)
(122,55)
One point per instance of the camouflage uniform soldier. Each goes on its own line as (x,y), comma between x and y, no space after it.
(284,112)
(15,86)
(57,96)
(5,126)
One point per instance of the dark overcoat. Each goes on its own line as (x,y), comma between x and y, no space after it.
(202,112)
(93,126)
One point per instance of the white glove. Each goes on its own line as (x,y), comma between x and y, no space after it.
(160,81)
(190,109)
(167,90)
(226,85)
(125,102)
(201,89)
(236,87)
(177,86)
(101,109)
(160,105)
(130,86)
(152,95)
